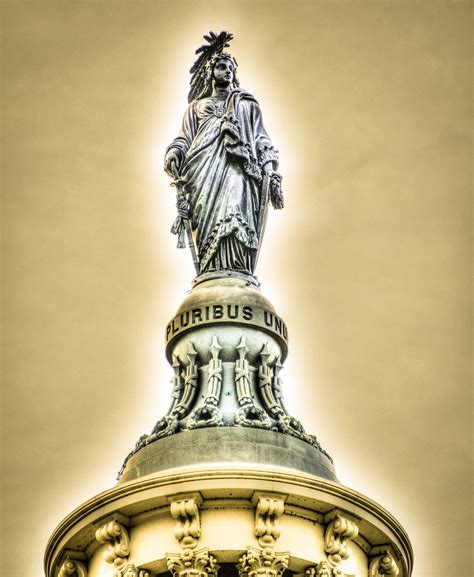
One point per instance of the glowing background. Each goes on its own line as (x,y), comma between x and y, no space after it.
(369,104)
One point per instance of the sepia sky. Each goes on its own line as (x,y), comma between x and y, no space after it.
(369,105)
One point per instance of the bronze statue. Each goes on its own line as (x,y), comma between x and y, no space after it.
(224,166)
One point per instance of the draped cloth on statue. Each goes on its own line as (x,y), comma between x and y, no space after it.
(224,146)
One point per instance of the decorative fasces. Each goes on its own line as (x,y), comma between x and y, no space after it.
(268,511)
(192,564)
(383,565)
(338,532)
(190,383)
(262,563)
(72,568)
(248,415)
(185,510)
(265,382)
(116,535)
(209,415)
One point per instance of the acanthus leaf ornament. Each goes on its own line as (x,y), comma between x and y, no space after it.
(116,535)
(262,563)
(131,570)
(192,564)
(338,532)
(185,510)
(383,566)
(323,569)
(72,568)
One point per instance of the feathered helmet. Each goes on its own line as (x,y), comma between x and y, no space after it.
(201,70)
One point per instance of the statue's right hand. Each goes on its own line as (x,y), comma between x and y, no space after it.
(172,162)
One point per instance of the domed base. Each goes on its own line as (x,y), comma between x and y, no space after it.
(228,445)
(217,520)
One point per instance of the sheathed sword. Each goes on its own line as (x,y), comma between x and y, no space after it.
(262,213)
(182,225)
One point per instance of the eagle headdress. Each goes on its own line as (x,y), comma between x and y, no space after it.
(201,70)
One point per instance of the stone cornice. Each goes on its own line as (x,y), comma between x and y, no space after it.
(229,474)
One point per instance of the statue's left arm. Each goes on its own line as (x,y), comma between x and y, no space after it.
(267,156)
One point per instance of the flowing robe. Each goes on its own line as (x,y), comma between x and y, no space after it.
(223,146)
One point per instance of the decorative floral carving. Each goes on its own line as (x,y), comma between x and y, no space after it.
(383,565)
(262,563)
(118,551)
(72,568)
(193,564)
(188,525)
(267,519)
(339,531)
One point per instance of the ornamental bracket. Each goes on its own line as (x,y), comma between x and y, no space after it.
(185,510)
(116,535)
(383,565)
(338,532)
(269,508)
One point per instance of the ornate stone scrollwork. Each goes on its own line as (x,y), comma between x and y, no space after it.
(383,565)
(209,415)
(262,563)
(118,551)
(192,564)
(268,512)
(248,415)
(185,510)
(338,532)
(72,568)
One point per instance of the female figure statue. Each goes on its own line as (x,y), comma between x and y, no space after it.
(224,165)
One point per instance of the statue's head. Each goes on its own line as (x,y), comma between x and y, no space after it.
(222,69)
(204,71)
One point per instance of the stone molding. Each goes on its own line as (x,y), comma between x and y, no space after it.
(311,489)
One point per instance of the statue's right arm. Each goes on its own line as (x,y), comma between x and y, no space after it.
(176,151)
